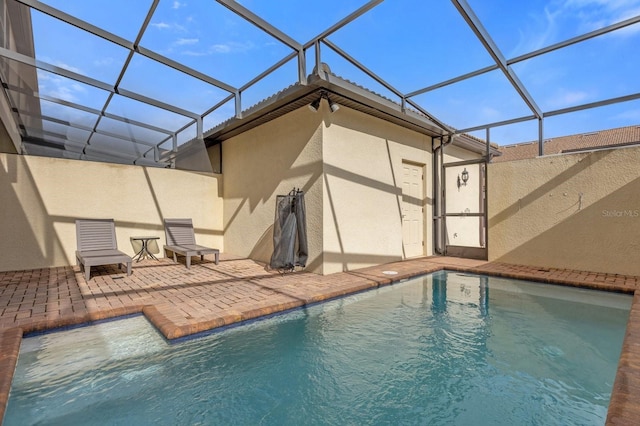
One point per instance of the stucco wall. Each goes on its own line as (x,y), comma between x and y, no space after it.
(454,153)
(42,197)
(350,167)
(577,211)
(363,189)
(262,163)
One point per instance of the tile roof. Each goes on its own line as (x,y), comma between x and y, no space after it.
(610,138)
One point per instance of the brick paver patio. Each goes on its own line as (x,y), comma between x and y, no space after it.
(180,302)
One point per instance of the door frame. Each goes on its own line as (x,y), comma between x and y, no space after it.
(440,218)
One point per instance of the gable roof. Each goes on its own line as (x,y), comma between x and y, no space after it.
(611,138)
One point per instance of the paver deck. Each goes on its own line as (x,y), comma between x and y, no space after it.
(180,302)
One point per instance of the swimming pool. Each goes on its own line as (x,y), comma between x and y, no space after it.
(446,348)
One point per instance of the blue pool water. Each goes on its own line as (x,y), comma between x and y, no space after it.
(443,349)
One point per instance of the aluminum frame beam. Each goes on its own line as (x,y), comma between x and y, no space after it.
(299,50)
(488,43)
(385,84)
(346,20)
(27,60)
(274,32)
(97,131)
(575,40)
(605,102)
(78,23)
(530,55)
(87,109)
(129,45)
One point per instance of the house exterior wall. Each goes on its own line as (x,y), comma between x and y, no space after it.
(362,178)
(454,153)
(577,211)
(42,197)
(350,167)
(262,163)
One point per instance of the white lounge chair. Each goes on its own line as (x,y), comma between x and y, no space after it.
(97,245)
(181,240)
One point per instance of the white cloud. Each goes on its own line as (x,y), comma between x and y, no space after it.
(576,17)
(631,29)
(177,5)
(232,47)
(61,64)
(160,25)
(166,26)
(59,87)
(185,41)
(540,30)
(594,14)
(222,48)
(564,98)
(194,53)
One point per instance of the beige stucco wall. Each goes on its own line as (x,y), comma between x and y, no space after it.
(362,218)
(577,211)
(454,153)
(262,163)
(42,197)
(350,167)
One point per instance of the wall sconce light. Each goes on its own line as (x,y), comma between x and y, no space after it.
(462,180)
(315,105)
(334,107)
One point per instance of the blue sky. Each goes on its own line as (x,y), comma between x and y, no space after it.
(410,44)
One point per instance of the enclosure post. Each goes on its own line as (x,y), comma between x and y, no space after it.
(540,137)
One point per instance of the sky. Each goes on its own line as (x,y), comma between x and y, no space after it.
(411,44)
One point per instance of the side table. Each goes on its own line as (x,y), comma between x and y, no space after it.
(144,251)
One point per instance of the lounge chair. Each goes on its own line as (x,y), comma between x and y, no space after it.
(181,240)
(97,245)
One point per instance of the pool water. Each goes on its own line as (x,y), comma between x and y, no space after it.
(441,349)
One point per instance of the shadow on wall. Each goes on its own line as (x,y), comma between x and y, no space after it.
(603,237)
(259,165)
(43,197)
(541,191)
(586,218)
(27,234)
(347,164)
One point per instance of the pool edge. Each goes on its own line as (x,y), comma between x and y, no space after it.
(10,341)
(623,408)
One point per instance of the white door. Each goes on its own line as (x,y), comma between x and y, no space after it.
(412,209)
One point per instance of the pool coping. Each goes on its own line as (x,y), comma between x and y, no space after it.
(624,406)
